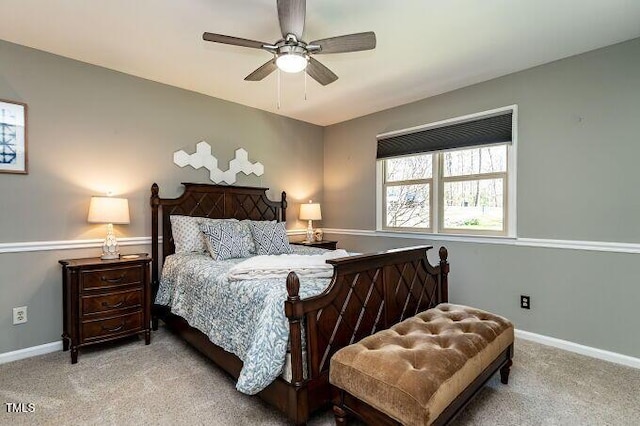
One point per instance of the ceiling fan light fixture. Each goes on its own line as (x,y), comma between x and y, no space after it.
(291,62)
(291,54)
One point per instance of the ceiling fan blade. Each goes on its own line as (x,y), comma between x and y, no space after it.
(345,43)
(291,14)
(263,71)
(320,73)
(235,41)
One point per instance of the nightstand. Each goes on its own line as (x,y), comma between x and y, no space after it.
(331,245)
(104,300)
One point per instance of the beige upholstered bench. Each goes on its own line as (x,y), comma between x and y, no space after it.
(423,370)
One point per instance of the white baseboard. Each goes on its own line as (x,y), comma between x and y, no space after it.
(526,335)
(29,352)
(614,357)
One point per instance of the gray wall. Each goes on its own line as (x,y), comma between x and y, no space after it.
(577,179)
(92,130)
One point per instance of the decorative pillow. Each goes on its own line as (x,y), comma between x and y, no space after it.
(270,237)
(247,235)
(224,239)
(187,236)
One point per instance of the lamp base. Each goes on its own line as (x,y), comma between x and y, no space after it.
(110,256)
(310,238)
(110,245)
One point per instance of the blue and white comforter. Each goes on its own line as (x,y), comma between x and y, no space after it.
(245,318)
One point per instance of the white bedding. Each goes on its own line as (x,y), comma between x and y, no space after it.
(279,266)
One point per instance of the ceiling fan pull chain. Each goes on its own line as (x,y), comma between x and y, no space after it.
(305,86)
(278,105)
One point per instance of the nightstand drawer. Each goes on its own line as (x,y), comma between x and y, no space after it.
(113,301)
(101,328)
(110,278)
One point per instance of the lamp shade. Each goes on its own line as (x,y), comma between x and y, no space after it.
(310,211)
(108,210)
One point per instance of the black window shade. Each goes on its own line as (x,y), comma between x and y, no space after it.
(484,131)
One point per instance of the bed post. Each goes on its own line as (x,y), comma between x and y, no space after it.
(298,408)
(444,272)
(283,207)
(155,201)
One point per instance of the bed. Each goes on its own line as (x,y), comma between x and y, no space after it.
(365,293)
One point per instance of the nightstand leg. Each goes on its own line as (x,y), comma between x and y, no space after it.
(74,354)
(147,337)
(65,343)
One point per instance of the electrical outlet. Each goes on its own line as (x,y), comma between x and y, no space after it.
(19,315)
(525,302)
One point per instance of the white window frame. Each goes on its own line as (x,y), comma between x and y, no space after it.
(429,181)
(436,196)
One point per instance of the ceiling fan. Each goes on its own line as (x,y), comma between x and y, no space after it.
(291,54)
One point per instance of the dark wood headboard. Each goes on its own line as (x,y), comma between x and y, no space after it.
(212,201)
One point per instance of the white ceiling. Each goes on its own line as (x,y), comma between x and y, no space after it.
(425,47)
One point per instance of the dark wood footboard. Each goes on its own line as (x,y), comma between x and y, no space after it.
(367,293)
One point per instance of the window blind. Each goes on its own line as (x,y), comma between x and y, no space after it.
(484,131)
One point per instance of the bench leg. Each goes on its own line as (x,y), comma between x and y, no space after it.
(340,415)
(504,372)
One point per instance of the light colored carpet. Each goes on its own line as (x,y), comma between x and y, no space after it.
(169,383)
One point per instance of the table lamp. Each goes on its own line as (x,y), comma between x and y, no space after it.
(310,212)
(109,210)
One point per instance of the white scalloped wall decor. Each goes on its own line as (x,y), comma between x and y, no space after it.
(203,158)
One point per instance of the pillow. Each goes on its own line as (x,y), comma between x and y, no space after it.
(270,237)
(224,239)
(247,235)
(187,236)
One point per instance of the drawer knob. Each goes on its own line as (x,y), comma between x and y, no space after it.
(113,280)
(106,304)
(111,330)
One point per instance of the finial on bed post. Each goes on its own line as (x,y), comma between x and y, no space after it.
(283,210)
(293,287)
(444,273)
(155,202)
(293,311)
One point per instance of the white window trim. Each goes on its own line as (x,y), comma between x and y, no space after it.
(512,177)
(512,228)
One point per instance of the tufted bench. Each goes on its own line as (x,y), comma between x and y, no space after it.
(423,370)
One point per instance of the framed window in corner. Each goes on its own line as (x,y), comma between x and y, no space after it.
(13,137)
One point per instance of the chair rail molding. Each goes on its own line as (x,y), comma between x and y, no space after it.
(603,246)
(30,246)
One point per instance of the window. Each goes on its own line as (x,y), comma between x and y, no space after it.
(407,194)
(466,189)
